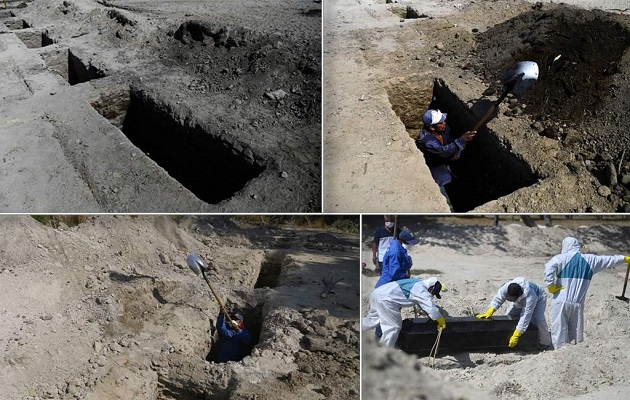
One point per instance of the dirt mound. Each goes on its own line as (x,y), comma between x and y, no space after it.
(582,94)
(589,44)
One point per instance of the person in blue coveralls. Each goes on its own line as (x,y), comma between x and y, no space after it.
(396,262)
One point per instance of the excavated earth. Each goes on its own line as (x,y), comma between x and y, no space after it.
(108,309)
(126,105)
(561,147)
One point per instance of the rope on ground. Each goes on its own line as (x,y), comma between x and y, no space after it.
(435,349)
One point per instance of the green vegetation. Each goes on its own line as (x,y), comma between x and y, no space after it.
(340,223)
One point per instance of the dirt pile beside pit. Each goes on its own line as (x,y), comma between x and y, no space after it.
(581,96)
(577,52)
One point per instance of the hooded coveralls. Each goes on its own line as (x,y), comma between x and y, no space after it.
(396,264)
(530,306)
(386,302)
(573,271)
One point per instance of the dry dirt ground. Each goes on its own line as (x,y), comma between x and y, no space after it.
(473,259)
(562,147)
(161,106)
(108,309)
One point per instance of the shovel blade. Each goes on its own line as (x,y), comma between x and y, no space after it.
(623,298)
(519,78)
(196,263)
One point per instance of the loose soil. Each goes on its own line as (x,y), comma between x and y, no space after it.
(108,309)
(473,258)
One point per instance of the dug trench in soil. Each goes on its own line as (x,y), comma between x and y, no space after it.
(581,96)
(16,24)
(270,270)
(34,39)
(487,168)
(407,12)
(200,160)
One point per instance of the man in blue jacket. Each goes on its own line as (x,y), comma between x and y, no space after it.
(440,147)
(396,262)
(233,339)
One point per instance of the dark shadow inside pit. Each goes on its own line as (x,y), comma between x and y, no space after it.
(79,72)
(487,169)
(252,319)
(407,12)
(34,40)
(200,160)
(269,271)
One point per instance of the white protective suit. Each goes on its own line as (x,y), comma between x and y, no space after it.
(530,306)
(387,300)
(573,271)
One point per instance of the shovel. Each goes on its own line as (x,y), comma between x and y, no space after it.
(198,266)
(625,284)
(518,80)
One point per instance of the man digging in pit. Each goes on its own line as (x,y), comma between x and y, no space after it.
(440,147)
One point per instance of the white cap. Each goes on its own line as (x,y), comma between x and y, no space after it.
(432,117)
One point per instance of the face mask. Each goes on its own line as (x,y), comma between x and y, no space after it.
(389,224)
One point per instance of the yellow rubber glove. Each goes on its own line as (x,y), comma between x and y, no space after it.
(514,339)
(487,314)
(553,289)
(627,259)
(441,323)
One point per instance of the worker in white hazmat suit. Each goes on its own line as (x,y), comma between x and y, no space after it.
(529,302)
(387,300)
(568,276)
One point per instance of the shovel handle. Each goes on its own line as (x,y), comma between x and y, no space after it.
(216,296)
(490,111)
(485,118)
(625,283)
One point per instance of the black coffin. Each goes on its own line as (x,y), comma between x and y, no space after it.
(418,335)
